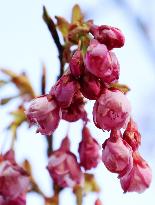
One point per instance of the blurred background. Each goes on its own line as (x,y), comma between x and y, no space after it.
(25,44)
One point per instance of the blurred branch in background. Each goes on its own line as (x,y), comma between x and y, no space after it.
(140,23)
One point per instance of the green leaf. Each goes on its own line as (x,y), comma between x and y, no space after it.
(78,191)
(77,15)
(90,184)
(4,101)
(77,33)
(21,81)
(8,72)
(84,44)
(123,88)
(63,25)
(19,116)
(3,82)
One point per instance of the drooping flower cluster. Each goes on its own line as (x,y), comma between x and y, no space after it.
(89,76)
(63,166)
(93,73)
(14,181)
(89,70)
(122,157)
(140,176)
(88,150)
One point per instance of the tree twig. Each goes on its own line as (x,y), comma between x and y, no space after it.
(43,91)
(52,28)
(43,80)
(50,144)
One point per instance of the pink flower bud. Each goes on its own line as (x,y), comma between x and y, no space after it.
(76,110)
(3,201)
(98,202)
(108,35)
(102,63)
(14,181)
(77,64)
(64,90)
(63,166)
(111,110)
(132,136)
(21,200)
(45,113)
(17,201)
(140,176)
(90,86)
(88,150)
(117,154)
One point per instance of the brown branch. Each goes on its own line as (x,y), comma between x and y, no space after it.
(43,80)
(50,144)
(43,91)
(37,189)
(52,28)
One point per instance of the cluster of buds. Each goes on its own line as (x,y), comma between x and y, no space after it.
(93,74)
(120,155)
(14,181)
(63,165)
(90,75)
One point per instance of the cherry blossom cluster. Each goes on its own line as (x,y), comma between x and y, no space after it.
(91,75)
(14,181)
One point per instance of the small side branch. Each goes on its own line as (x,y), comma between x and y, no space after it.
(52,28)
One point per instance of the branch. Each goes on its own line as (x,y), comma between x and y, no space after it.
(43,91)
(52,28)
(50,144)
(43,80)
